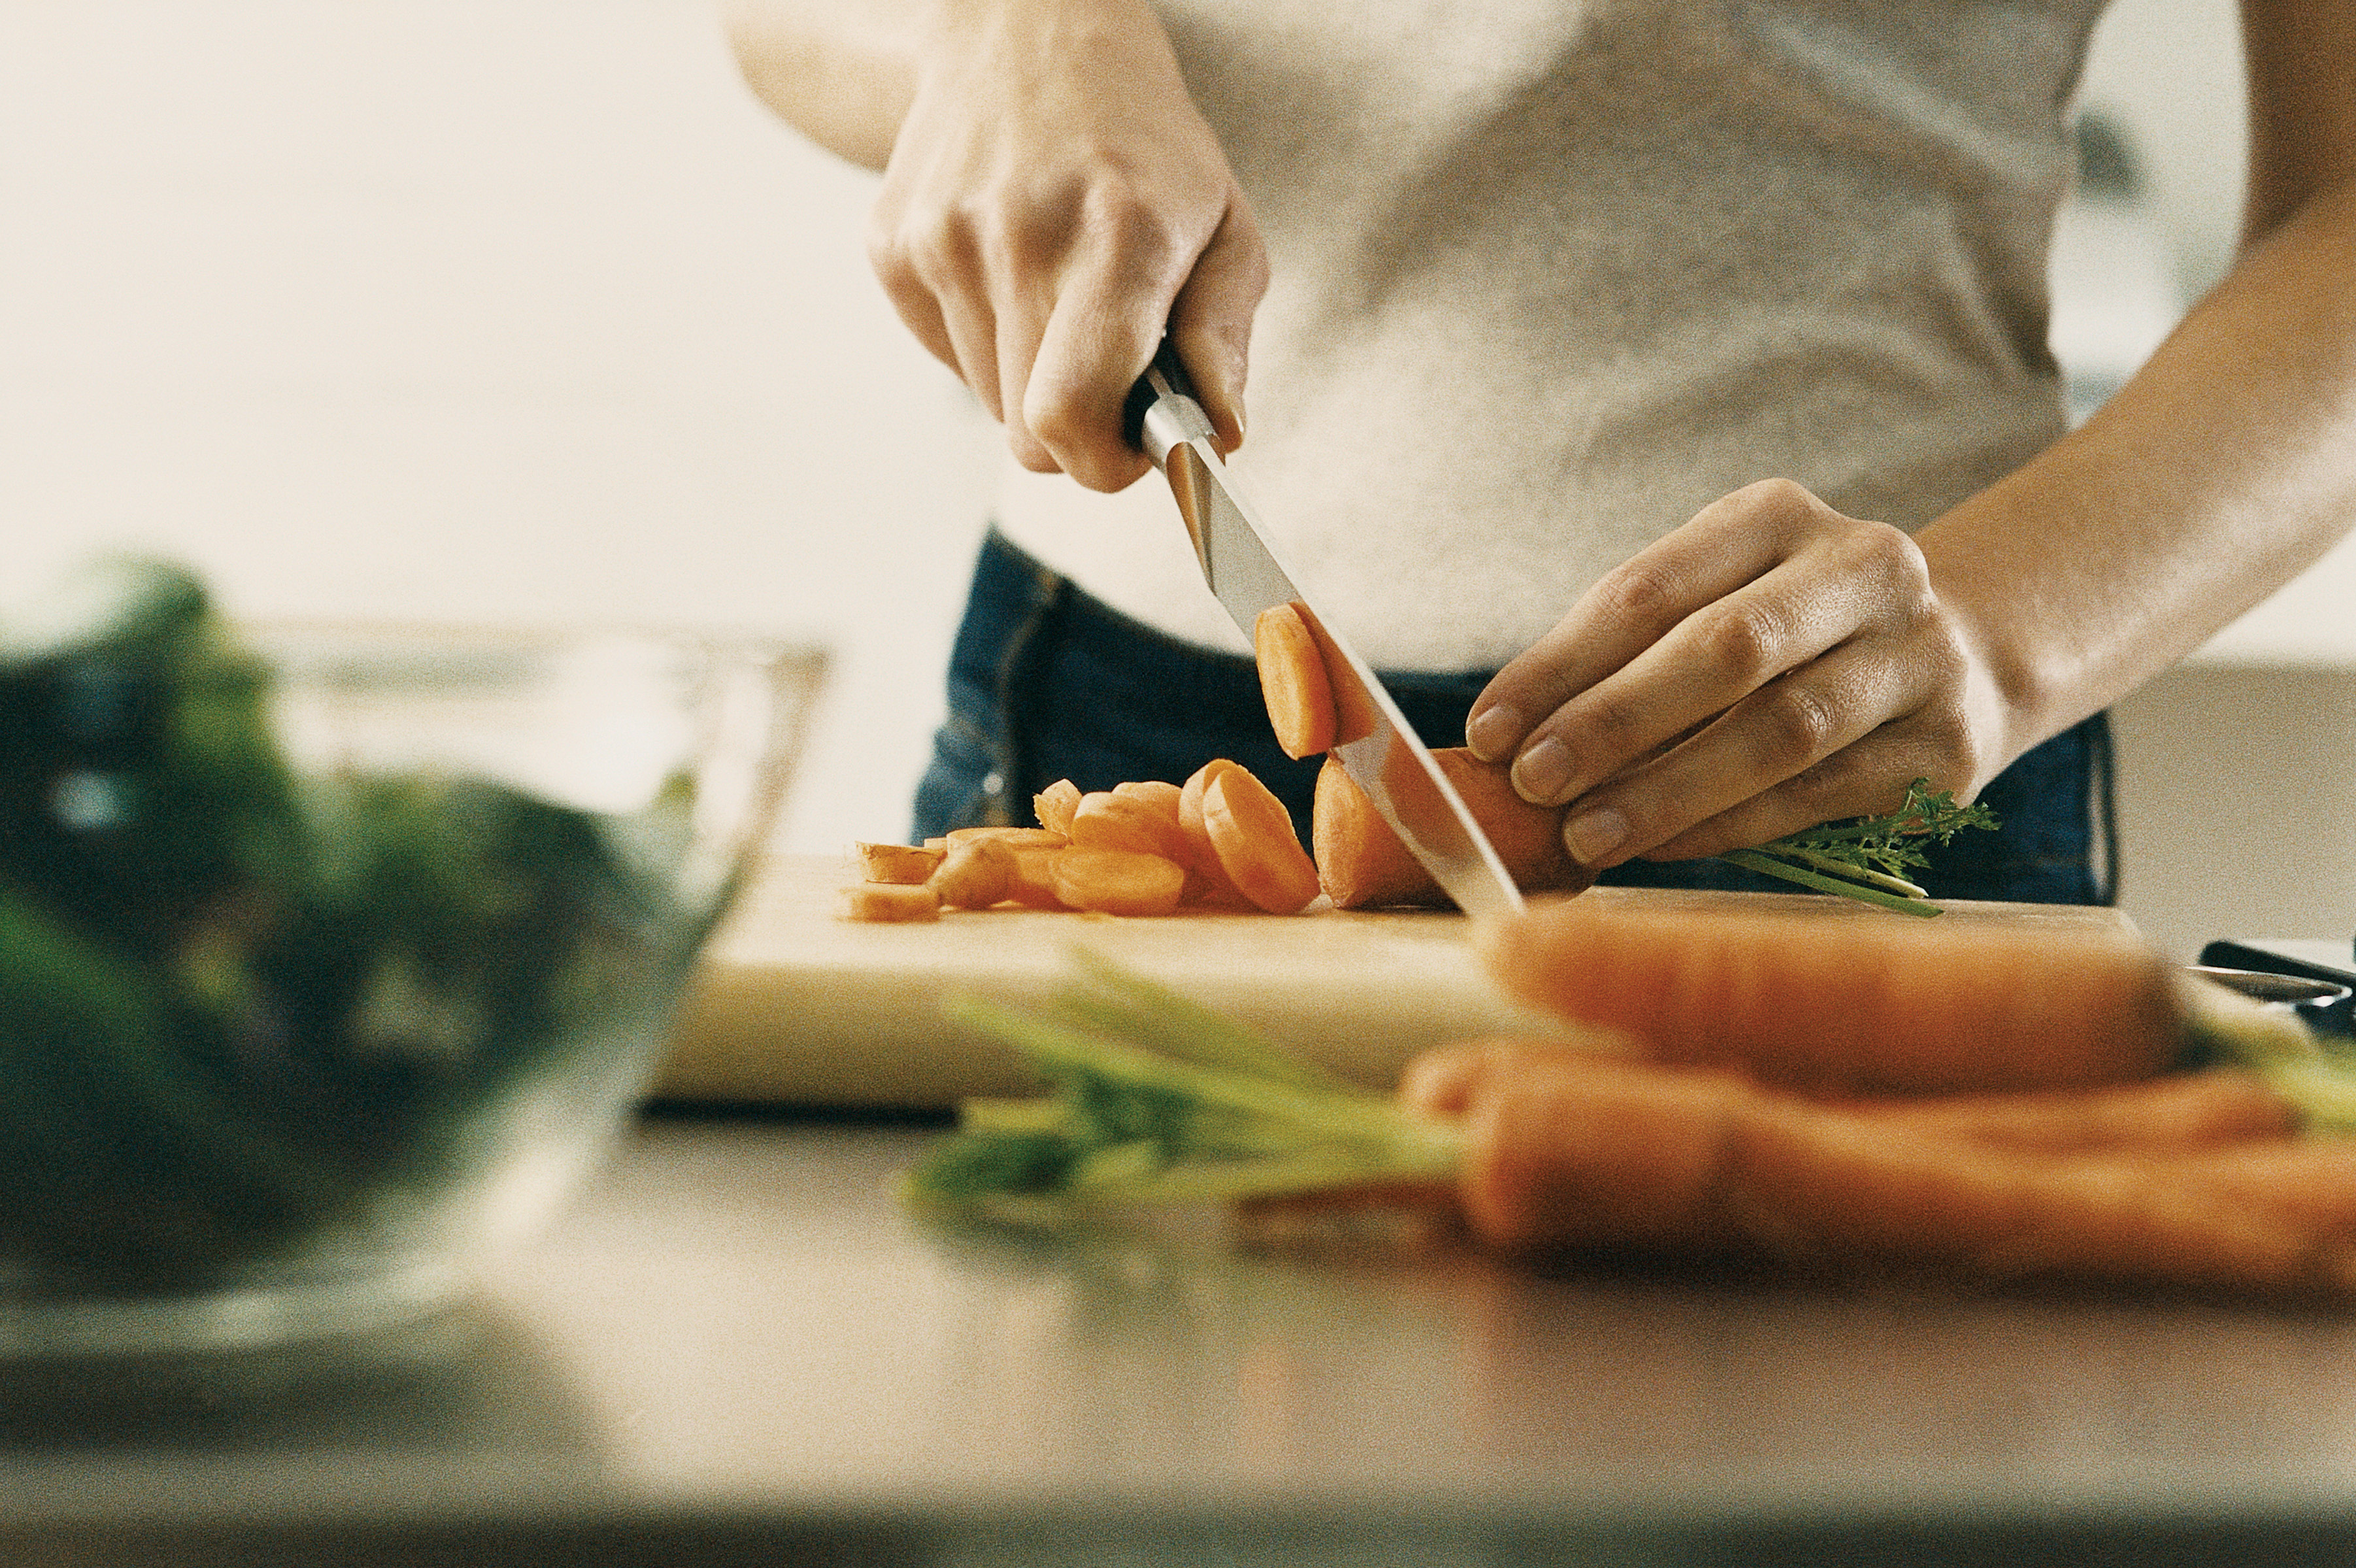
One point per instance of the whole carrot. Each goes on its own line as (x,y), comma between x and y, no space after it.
(1840,1004)
(1566,1149)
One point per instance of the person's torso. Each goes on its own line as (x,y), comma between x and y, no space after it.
(1548,277)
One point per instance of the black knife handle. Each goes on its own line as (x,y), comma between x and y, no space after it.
(1145,394)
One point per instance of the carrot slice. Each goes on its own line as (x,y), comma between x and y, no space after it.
(1208,883)
(890,902)
(1107,819)
(1032,883)
(903,863)
(1847,1004)
(1013,837)
(1252,834)
(1161,796)
(1293,682)
(1116,881)
(1054,805)
(1363,863)
(975,875)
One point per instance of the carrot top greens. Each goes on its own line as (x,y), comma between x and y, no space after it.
(1869,858)
(1155,1098)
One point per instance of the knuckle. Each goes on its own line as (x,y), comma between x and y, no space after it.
(1747,641)
(1639,595)
(1797,725)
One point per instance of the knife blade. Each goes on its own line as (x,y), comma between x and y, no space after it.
(1383,755)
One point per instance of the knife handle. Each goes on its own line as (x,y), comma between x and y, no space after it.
(1164,377)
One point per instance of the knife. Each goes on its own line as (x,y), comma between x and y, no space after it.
(1380,751)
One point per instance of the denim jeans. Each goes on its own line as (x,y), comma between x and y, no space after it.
(1047,682)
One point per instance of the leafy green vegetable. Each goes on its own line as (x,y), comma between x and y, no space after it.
(239,1009)
(1155,1099)
(1868,858)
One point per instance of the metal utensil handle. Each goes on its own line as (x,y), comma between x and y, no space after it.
(1165,377)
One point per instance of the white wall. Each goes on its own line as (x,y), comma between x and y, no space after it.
(523,309)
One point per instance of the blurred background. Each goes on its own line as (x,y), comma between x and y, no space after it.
(523,310)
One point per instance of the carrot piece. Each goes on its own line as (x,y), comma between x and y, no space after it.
(1252,834)
(1840,1004)
(1014,838)
(1159,794)
(2179,1113)
(1208,883)
(1116,881)
(890,902)
(898,862)
(1569,1150)
(1353,709)
(1032,883)
(1054,805)
(1293,682)
(1106,819)
(1363,863)
(975,875)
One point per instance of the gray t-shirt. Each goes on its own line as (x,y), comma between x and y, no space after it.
(1549,276)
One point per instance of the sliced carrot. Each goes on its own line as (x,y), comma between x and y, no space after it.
(1054,805)
(903,863)
(1838,1004)
(890,902)
(1252,834)
(1363,863)
(1013,837)
(1161,795)
(1107,819)
(1208,883)
(1032,883)
(1353,709)
(1117,881)
(975,875)
(1566,1149)
(1293,682)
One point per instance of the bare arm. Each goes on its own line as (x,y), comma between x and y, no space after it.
(1052,202)
(1774,664)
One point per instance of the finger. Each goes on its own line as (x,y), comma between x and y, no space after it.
(1210,322)
(912,298)
(1700,669)
(1021,327)
(1726,545)
(1780,732)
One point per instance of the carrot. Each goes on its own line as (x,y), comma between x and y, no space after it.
(1293,682)
(1116,881)
(1160,794)
(1363,863)
(1107,819)
(1568,1150)
(890,902)
(1252,834)
(898,862)
(2179,1113)
(1013,837)
(1032,883)
(1208,883)
(975,875)
(1054,805)
(1842,1005)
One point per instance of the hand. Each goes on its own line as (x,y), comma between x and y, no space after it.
(1768,666)
(1054,200)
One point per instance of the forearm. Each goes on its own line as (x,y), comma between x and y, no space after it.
(2222,470)
(842,72)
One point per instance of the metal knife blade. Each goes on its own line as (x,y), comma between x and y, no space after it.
(1240,563)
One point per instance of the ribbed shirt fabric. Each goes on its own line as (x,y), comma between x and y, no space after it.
(1552,275)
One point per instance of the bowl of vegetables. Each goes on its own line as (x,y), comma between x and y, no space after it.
(334,956)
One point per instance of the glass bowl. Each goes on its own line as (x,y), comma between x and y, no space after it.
(332,957)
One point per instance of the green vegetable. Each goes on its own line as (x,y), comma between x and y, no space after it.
(1157,1100)
(1868,858)
(240,1011)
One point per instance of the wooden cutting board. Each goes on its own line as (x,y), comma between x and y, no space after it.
(794,1005)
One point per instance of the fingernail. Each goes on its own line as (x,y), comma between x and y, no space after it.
(1542,770)
(1592,834)
(1492,732)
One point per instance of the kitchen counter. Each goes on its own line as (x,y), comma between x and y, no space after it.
(737,1348)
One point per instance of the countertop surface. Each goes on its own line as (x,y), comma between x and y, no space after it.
(738,1348)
